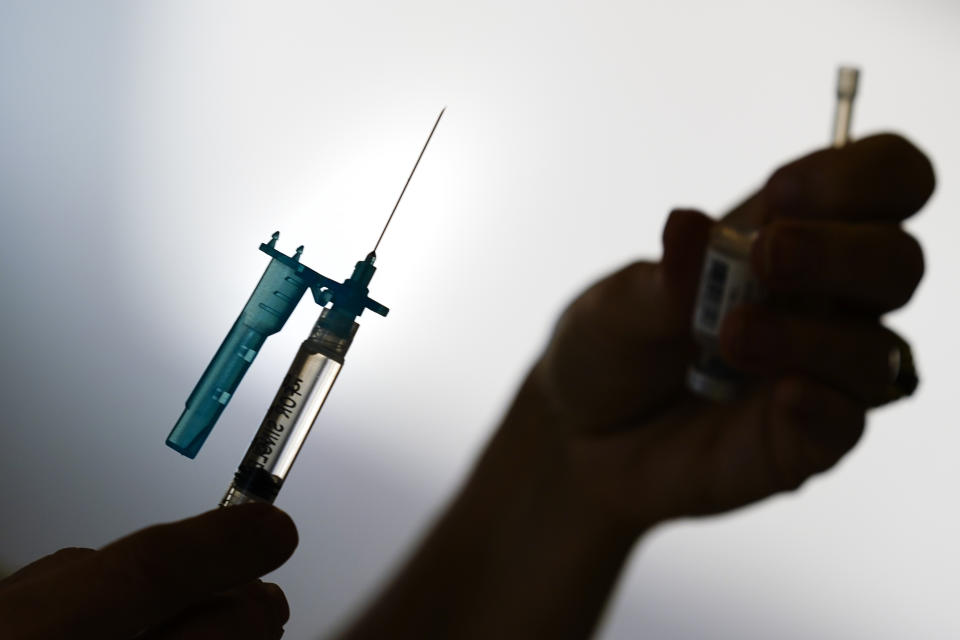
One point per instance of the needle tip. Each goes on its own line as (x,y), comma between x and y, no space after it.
(412,171)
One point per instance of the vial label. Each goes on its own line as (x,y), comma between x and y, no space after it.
(725,283)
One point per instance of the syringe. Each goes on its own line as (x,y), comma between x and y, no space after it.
(308,381)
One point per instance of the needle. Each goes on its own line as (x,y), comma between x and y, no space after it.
(408,180)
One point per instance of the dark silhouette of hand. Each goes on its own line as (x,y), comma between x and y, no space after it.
(603,441)
(833,257)
(196,578)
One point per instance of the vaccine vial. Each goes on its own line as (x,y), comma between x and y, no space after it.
(727,280)
(847,80)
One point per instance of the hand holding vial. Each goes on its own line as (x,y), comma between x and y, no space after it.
(831,257)
(604,440)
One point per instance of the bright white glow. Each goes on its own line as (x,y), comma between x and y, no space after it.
(147,149)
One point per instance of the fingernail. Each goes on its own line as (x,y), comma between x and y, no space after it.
(903,379)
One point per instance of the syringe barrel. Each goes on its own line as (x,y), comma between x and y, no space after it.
(269,306)
(291,414)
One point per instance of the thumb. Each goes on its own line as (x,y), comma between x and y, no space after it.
(685,238)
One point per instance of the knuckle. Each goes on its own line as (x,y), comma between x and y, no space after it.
(71,553)
(783,187)
(776,229)
(911,163)
(918,167)
(610,293)
(134,567)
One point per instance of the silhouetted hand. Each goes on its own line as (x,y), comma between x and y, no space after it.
(603,441)
(831,252)
(190,579)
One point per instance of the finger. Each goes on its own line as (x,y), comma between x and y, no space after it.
(811,427)
(685,237)
(156,572)
(256,611)
(43,566)
(876,267)
(855,358)
(634,327)
(613,314)
(673,283)
(879,178)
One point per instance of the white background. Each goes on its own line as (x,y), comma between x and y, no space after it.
(146,149)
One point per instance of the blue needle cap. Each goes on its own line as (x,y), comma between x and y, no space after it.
(273,300)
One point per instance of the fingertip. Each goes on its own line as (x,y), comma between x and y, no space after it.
(921,170)
(269,529)
(685,236)
(682,222)
(286,536)
(905,166)
(928,176)
(274,526)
